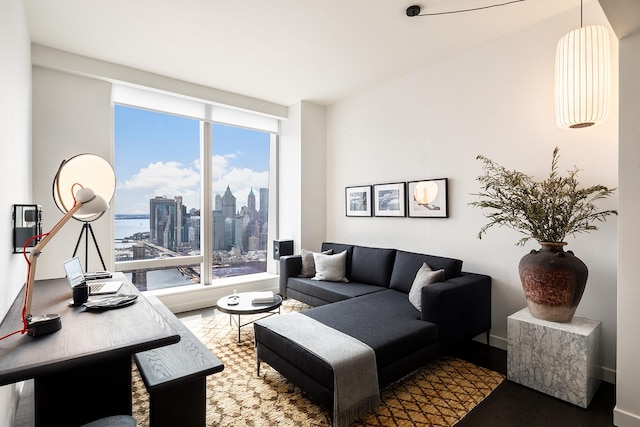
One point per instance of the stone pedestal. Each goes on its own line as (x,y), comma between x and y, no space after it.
(559,359)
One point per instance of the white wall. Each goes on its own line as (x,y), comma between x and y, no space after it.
(15,162)
(496,101)
(289,177)
(71,115)
(313,175)
(627,411)
(302,176)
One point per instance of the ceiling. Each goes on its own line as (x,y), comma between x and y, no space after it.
(281,51)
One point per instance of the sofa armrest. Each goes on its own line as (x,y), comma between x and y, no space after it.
(290,266)
(461,307)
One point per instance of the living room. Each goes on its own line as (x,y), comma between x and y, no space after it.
(495,99)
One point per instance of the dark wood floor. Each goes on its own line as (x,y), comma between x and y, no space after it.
(513,405)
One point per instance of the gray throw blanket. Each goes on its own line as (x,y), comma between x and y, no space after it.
(355,375)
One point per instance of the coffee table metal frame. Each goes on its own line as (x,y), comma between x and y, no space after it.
(245,307)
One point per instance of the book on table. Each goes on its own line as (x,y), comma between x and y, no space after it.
(262,297)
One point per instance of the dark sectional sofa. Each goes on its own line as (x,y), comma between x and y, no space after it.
(374,308)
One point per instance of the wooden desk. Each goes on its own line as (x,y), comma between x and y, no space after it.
(83,371)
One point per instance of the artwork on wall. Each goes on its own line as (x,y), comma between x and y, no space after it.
(389,199)
(428,198)
(358,200)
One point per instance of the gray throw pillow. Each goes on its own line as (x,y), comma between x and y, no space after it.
(308,265)
(425,276)
(331,268)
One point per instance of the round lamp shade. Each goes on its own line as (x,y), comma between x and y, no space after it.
(88,171)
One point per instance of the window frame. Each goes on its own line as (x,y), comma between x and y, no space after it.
(208,115)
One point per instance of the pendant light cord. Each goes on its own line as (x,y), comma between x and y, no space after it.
(473,9)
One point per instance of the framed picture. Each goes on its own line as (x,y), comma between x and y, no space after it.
(389,199)
(358,200)
(428,198)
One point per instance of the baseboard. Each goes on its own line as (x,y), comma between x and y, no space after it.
(625,419)
(498,342)
(608,375)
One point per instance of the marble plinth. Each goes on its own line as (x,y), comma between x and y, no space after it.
(559,359)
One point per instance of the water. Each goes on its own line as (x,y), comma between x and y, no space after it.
(156,279)
(128,227)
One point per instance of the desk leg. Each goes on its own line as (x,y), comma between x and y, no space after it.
(80,395)
(181,405)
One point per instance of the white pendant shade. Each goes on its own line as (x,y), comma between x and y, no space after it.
(583,77)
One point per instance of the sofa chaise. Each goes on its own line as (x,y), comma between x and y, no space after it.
(374,308)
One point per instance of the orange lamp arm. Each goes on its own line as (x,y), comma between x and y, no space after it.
(35,252)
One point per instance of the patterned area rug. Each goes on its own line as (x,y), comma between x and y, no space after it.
(439,394)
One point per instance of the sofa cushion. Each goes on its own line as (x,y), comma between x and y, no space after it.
(372,265)
(331,291)
(425,276)
(308,264)
(337,248)
(330,267)
(385,321)
(407,264)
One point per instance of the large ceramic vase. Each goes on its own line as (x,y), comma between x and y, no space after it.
(553,281)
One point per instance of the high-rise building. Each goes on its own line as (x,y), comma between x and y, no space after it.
(229,233)
(251,201)
(219,230)
(228,204)
(181,212)
(193,229)
(264,204)
(167,222)
(161,221)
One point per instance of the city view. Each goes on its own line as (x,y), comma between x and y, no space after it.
(171,230)
(158,168)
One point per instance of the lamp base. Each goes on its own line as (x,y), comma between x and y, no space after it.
(43,324)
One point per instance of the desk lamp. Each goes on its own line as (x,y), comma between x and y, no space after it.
(94,172)
(87,202)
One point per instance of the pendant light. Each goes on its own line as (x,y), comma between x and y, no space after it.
(582,76)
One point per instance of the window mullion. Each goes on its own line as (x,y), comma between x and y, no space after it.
(206,211)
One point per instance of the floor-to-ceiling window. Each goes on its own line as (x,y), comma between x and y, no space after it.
(192,194)
(240,194)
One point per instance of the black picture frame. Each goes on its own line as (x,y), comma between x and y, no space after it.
(357,201)
(389,200)
(428,198)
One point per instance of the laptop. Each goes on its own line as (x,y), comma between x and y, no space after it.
(76,276)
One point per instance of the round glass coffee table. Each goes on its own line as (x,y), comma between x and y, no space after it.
(240,304)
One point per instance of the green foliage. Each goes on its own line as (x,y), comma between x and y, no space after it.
(546,211)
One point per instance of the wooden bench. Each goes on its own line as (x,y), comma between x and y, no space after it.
(175,376)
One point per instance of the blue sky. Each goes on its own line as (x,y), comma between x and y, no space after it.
(159,155)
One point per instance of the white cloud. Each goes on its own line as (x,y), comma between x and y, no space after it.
(172,179)
(159,175)
(167,179)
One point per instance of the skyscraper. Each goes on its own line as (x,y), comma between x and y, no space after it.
(228,204)
(264,204)
(251,201)
(167,220)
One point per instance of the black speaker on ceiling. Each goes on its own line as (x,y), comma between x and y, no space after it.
(282,248)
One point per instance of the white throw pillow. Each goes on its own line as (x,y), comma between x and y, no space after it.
(425,276)
(308,265)
(331,268)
